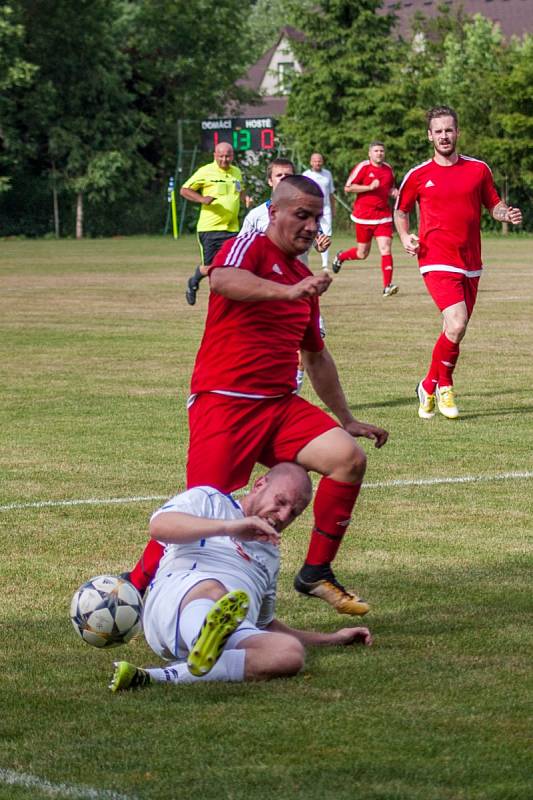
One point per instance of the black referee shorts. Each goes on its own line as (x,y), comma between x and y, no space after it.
(210,243)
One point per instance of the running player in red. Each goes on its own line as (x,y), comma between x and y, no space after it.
(263,308)
(450,190)
(372,181)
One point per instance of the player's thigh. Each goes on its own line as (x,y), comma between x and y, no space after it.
(297,423)
(226,439)
(326,224)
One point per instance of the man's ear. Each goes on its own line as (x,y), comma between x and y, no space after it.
(259,483)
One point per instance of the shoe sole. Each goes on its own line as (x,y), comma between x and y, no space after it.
(422,413)
(220,622)
(448,412)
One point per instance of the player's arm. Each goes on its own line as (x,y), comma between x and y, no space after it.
(504,213)
(409,241)
(175,527)
(246,287)
(343,636)
(324,377)
(195,197)
(361,188)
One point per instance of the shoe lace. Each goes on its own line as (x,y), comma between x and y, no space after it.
(447,396)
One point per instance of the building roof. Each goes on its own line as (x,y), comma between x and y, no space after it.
(514,16)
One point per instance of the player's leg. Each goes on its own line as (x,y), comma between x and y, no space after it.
(326,226)
(193,284)
(363,237)
(309,436)
(448,293)
(384,243)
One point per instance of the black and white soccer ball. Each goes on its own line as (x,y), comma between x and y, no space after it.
(106,611)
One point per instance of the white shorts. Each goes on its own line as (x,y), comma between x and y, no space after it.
(161,614)
(326,223)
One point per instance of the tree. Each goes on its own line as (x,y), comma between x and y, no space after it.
(79,114)
(15,72)
(341,100)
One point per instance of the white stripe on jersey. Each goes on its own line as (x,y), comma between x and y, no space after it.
(370,221)
(353,174)
(407,175)
(470,273)
(239,248)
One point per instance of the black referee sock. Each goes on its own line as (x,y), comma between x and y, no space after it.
(197,277)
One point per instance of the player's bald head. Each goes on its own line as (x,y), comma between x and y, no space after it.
(290,188)
(295,477)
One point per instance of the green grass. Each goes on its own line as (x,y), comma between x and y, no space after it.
(97,350)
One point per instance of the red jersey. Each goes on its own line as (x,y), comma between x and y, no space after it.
(250,349)
(372,208)
(450,200)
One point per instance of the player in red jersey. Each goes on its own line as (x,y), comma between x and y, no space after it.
(450,190)
(372,181)
(243,410)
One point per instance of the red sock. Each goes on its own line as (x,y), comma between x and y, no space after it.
(448,359)
(334,502)
(146,567)
(349,255)
(386,269)
(443,360)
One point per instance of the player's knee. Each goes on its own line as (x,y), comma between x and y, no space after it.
(290,657)
(362,253)
(355,462)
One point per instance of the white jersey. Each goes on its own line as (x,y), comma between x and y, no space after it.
(256,220)
(324,179)
(252,566)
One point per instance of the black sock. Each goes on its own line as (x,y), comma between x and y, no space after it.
(315,572)
(197,277)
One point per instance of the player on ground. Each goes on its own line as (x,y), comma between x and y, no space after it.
(324,179)
(218,187)
(372,181)
(450,189)
(211,608)
(263,308)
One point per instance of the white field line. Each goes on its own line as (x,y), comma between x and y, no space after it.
(104,501)
(9,777)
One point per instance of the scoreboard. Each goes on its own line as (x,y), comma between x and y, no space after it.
(243,133)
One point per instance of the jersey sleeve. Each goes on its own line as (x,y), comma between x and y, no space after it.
(195,182)
(243,252)
(197,502)
(356,174)
(249,223)
(407,195)
(489,195)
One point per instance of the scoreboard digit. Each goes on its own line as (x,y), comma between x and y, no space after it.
(243,133)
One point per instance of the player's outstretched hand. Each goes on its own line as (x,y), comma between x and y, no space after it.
(352,636)
(378,435)
(252,529)
(312,286)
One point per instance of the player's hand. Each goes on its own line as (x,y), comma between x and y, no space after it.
(378,435)
(394,193)
(252,529)
(374,184)
(411,243)
(514,215)
(312,286)
(322,242)
(352,636)
(207,200)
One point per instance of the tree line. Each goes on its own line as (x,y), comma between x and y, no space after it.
(91,92)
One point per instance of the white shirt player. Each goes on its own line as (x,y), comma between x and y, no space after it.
(324,179)
(252,566)
(256,220)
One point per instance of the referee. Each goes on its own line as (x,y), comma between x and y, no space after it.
(219,189)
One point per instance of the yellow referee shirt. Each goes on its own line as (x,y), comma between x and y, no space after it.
(225,185)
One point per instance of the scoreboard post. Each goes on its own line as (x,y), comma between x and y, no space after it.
(243,133)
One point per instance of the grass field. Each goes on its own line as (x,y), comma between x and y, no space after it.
(97,350)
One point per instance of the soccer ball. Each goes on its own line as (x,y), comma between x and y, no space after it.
(106,611)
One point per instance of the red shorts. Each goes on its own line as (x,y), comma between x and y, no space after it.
(448,288)
(229,435)
(365,233)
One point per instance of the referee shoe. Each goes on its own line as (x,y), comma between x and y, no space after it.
(191,291)
(327,588)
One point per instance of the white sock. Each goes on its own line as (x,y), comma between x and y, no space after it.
(192,618)
(229,667)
